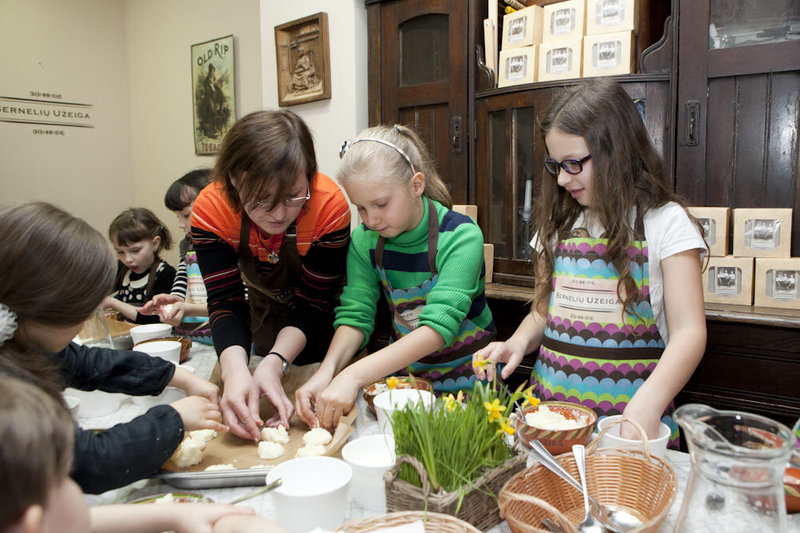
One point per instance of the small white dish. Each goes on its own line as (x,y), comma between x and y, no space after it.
(369,457)
(150,331)
(167,350)
(386,403)
(73,404)
(611,439)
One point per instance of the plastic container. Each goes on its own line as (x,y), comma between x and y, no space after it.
(167,350)
(611,439)
(386,403)
(313,493)
(150,331)
(369,457)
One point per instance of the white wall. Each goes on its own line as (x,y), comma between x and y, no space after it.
(75,49)
(345,113)
(159,37)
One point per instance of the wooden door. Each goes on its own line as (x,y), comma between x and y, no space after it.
(738,113)
(419,51)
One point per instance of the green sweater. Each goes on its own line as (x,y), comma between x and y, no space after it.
(458,294)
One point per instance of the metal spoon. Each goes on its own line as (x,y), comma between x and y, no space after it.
(551,525)
(589,524)
(260,490)
(615,519)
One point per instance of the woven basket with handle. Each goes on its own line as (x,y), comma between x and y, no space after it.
(633,480)
(434,523)
(479,506)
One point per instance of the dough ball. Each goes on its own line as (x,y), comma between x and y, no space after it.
(226,466)
(168,309)
(317,436)
(189,452)
(311,450)
(278,434)
(203,436)
(269,450)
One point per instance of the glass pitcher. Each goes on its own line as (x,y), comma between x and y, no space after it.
(736,481)
(95,331)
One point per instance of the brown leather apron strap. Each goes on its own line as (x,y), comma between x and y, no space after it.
(594,352)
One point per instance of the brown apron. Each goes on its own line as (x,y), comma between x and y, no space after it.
(271,295)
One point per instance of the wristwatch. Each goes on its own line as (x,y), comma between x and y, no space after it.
(284,362)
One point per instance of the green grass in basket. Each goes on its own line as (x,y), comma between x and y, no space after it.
(456,443)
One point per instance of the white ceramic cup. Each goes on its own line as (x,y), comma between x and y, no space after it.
(313,493)
(658,446)
(150,331)
(386,403)
(167,350)
(369,457)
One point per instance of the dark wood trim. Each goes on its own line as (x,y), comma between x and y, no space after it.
(756,59)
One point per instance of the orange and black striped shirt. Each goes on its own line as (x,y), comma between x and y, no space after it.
(323,237)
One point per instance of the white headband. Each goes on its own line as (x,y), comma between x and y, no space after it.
(8,323)
(347,144)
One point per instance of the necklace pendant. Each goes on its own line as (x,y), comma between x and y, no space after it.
(272,257)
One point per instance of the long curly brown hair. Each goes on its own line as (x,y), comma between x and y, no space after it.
(628,177)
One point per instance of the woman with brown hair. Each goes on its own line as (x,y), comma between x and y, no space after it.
(270,222)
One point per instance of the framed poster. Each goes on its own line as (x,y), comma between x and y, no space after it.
(303,57)
(213,93)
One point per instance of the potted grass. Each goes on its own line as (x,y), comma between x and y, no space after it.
(454,456)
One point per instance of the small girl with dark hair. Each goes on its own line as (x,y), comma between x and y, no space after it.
(137,236)
(617,314)
(428,262)
(185,306)
(56,271)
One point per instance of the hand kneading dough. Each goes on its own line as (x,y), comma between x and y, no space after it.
(269,450)
(278,434)
(190,450)
(310,450)
(317,436)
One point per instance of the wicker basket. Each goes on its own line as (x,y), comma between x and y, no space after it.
(479,506)
(434,523)
(636,481)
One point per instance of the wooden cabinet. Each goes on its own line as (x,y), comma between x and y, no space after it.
(418,63)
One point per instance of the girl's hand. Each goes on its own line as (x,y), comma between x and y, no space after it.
(306,397)
(336,400)
(246,524)
(195,518)
(267,378)
(195,385)
(172,314)
(203,517)
(647,417)
(240,404)
(199,413)
(485,360)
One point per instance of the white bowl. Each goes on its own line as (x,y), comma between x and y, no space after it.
(313,493)
(386,403)
(150,331)
(95,403)
(73,404)
(167,350)
(611,439)
(369,457)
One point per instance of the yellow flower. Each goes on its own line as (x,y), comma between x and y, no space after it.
(494,409)
(530,399)
(450,402)
(505,427)
(481,363)
(460,397)
(392,382)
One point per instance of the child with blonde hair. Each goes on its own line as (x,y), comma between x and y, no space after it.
(428,262)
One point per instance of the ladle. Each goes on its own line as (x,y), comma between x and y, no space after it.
(614,519)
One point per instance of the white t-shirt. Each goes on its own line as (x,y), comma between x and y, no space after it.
(668,231)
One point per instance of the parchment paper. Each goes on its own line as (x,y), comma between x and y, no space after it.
(227,448)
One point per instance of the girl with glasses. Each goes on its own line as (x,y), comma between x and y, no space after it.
(271,223)
(617,315)
(425,259)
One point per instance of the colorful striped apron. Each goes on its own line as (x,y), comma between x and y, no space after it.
(450,368)
(590,354)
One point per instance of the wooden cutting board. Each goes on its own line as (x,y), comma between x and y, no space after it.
(227,448)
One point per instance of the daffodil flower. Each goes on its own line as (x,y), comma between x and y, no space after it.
(392,382)
(494,409)
(460,397)
(505,426)
(481,363)
(530,399)
(450,402)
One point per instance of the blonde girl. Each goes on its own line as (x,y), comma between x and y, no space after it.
(426,259)
(137,236)
(617,315)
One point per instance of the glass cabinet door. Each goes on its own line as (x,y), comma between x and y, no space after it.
(747,23)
